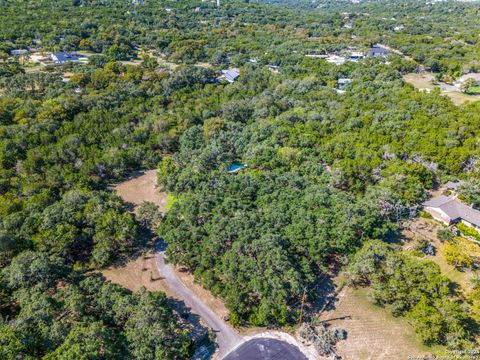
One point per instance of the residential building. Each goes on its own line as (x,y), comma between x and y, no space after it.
(60,58)
(335,59)
(18,52)
(356,55)
(450,210)
(378,51)
(230,75)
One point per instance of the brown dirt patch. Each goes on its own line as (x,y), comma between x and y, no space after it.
(420,81)
(459,98)
(140,188)
(138,273)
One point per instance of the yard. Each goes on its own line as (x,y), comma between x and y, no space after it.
(420,229)
(372,332)
(423,82)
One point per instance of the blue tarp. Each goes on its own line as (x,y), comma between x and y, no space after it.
(235,167)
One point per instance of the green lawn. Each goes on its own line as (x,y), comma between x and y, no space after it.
(474,90)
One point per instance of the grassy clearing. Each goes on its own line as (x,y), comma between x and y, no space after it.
(373,333)
(423,82)
(420,81)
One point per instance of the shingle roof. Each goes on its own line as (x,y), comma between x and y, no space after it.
(454,209)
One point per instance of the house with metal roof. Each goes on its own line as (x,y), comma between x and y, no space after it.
(450,210)
(378,51)
(230,75)
(18,52)
(61,57)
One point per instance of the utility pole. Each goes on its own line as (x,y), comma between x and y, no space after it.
(304,297)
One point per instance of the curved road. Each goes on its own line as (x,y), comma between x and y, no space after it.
(266,349)
(227,338)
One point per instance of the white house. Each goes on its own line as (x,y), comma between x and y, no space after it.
(451,211)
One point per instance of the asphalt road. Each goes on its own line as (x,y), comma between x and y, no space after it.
(227,338)
(266,349)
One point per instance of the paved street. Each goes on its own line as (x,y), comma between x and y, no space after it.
(266,349)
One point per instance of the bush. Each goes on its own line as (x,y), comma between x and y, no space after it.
(445,235)
(468,231)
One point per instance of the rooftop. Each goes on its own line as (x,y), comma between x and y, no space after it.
(231,74)
(454,209)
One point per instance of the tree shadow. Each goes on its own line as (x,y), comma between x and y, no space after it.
(198,332)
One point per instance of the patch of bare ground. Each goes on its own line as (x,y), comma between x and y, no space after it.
(137,273)
(372,333)
(141,187)
(421,81)
(459,98)
(424,82)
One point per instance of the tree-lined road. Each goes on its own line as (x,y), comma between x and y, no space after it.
(227,338)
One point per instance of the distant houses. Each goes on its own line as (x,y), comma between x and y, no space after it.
(61,58)
(335,59)
(230,75)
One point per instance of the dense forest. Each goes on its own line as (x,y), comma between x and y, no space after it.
(328,173)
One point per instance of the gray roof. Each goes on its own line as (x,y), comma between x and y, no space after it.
(378,50)
(454,209)
(231,74)
(454,184)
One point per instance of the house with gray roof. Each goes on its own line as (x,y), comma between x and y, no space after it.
(378,51)
(230,75)
(450,210)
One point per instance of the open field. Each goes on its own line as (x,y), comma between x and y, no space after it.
(423,82)
(373,333)
(140,188)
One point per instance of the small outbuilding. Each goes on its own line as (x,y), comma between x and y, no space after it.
(235,168)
